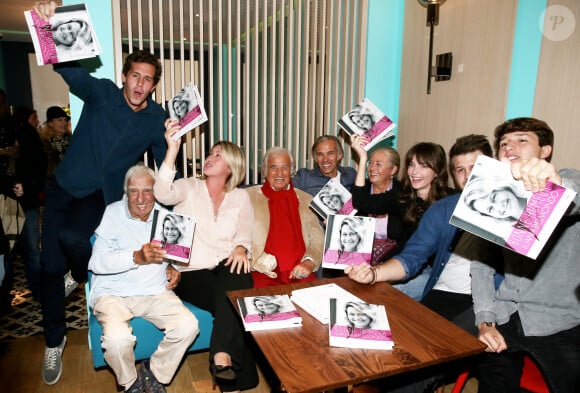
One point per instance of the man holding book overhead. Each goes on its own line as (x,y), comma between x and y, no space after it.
(115,128)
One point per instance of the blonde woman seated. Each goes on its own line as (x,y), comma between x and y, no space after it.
(287,240)
(219,259)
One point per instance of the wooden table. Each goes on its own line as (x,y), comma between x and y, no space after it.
(304,362)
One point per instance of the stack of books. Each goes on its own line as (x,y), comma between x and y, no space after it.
(352,322)
(315,300)
(358,325)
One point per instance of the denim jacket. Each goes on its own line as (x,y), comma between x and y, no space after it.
(433,236)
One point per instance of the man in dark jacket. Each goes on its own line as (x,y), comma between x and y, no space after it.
(115,128)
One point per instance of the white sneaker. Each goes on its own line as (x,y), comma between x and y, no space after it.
(52,364)
(69,284)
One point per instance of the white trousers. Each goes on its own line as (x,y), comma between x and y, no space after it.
(166,311)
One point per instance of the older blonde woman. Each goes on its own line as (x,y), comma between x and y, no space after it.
(219,259)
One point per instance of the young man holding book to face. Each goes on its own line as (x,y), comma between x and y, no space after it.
(536,309)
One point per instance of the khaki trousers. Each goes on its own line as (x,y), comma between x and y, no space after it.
(166,311)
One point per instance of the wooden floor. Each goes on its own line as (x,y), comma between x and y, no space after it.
(20,371)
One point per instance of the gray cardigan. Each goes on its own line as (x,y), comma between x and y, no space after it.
(542,291)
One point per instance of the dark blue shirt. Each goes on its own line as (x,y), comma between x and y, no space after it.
(109,138)
(312,180)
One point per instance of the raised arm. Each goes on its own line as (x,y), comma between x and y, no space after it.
(357,143)
(167,190)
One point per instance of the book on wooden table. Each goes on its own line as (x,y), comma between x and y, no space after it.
(333,198)
(175,232)
(68,35)
(348,241)
(355,324)
(315,300)
(187,108)
(495,206)
(368,120)
(268,312)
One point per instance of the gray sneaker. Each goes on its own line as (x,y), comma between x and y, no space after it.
(52,364)
(151,384)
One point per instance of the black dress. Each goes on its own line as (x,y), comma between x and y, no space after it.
(386,203)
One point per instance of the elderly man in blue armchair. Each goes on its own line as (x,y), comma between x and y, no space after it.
(131,279)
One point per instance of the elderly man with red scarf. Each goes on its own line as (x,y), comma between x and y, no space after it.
(287,240)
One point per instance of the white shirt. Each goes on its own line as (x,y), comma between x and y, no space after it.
(215,236)
(114,272)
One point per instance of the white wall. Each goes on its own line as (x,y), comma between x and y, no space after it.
(48,88)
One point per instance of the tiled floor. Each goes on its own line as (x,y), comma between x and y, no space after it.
(25,317)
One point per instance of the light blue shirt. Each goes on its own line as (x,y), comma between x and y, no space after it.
(114,272)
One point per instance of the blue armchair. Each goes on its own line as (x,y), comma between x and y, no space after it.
(148,336)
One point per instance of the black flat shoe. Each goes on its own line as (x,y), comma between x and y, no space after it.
(222,372)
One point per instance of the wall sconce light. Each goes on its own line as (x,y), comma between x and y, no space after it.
(442,70)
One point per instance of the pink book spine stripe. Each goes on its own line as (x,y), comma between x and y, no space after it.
(538,210)
(45,40)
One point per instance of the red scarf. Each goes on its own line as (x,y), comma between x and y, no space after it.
(285,240)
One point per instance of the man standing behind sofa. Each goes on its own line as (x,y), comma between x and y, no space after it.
(328,153)
(131,280)
(115,128)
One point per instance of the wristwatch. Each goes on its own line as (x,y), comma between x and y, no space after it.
(488,324)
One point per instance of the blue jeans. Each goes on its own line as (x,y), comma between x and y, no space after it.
(68,224)
(557,355)
(30,237)
(415,286)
